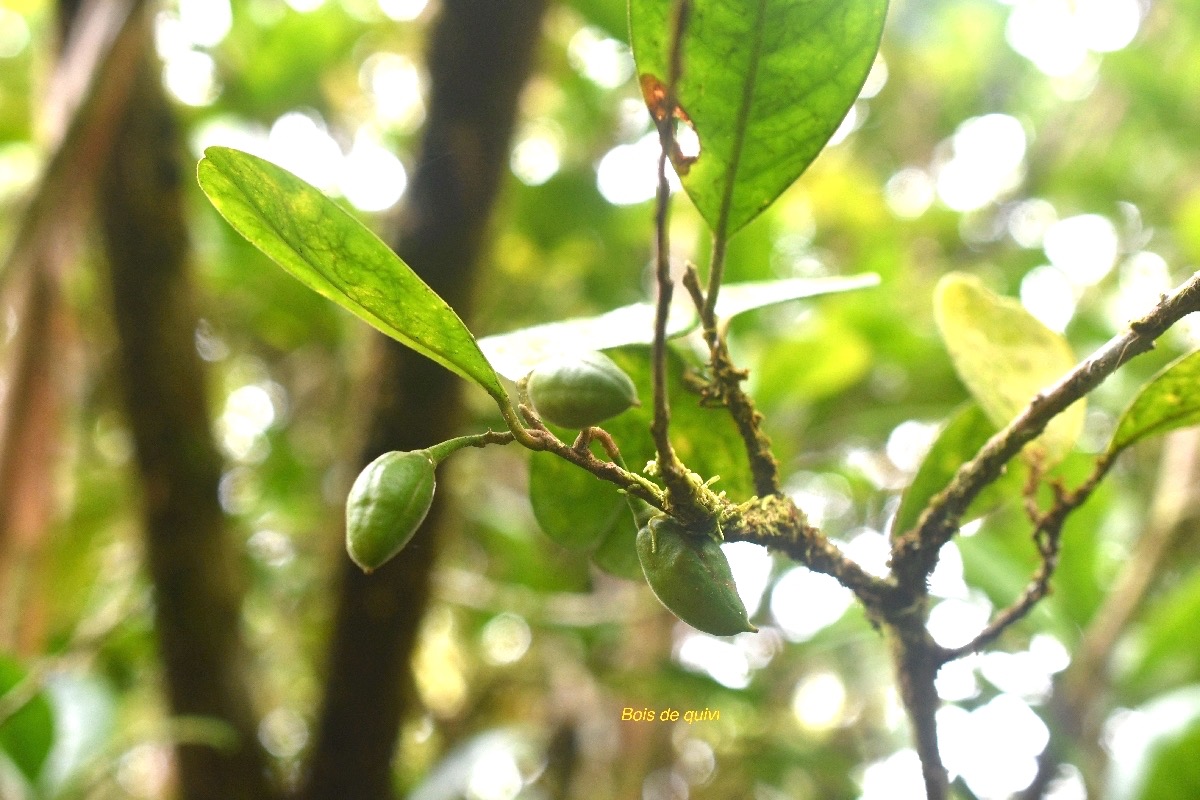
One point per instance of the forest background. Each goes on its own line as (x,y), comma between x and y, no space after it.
(160,375)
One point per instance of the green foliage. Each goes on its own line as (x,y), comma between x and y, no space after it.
(764,86)
(1169,401)
(27,735)
(333,254)
(1005,356)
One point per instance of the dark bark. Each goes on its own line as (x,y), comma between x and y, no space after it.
(193,562)
(480,54)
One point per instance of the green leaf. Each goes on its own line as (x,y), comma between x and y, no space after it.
(764,84)
(335,255)
(572,506)
(1005,356)
(617,553)
(514,354)
(1170,400)
(27,735)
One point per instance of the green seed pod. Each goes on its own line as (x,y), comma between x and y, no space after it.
(388,502)
(690,576)
(580,390)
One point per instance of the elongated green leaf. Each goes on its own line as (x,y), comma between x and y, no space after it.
(335,255)
(765,84)
(1005,356)
(514,354)
(1170,400)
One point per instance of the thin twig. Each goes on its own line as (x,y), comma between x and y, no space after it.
(915,554)
(672,471)
(1047,536)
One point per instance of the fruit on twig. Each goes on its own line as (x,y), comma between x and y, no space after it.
(386,505)
(580,390)
(690,576)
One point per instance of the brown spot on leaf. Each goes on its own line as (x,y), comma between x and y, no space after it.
(654,92)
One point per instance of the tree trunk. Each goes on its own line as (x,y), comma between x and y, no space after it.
(193,562)
(480,55)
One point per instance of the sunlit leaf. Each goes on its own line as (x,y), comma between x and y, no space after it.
(514,354)
(765,85)
(1005,356)
(25,736)
(335,255)
(1169,401)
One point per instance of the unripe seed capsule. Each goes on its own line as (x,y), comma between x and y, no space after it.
(386,505)
(690,575)
(580,390)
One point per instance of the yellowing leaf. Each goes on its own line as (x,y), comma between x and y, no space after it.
(1005,357)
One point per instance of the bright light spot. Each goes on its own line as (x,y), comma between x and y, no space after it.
(954,622)
(751,566)
(1067,784)
(871,550)
(192,77)
(495,775)
(1018,673)
(1046,33)
(876,79)
(402,10)
(664,784)
(505,639)
(805,602)
(995,747)
(850,123)
(604,61)
(910,192)
(956,680)
(283,733)
(897,777)
(988,154)
(301,144)
(946,580)
(1142,280)
(696,760)
(819,701)
(14,33)
(394,83)
(1047,293)
(535,159)
(438,667)
(271,548)
(725,662)
(908,443)
(305,6)
(373,179)
(207,22)
(144,771)
(249,412)
(1085,247)
(628,173)
(1107,25)
(1029,220)
(825,497)
(20,166)
(170,36)
(1050,654)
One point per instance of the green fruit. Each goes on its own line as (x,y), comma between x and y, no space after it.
(580,390)
(690,576)
(388,502)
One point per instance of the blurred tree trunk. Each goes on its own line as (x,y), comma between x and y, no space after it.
(480,55)
(193,562)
